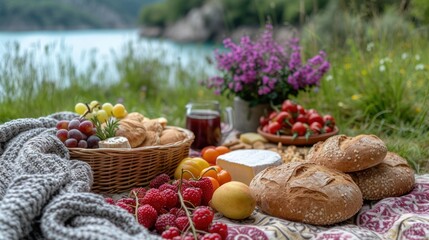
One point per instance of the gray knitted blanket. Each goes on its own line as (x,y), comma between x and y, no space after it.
(45,195)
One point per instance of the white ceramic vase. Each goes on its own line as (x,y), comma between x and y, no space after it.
(246,119)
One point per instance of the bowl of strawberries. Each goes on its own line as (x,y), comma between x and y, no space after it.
(292,124)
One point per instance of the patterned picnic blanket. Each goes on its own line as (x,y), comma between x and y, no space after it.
(405,217)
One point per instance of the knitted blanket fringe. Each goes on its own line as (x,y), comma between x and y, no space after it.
(45,195)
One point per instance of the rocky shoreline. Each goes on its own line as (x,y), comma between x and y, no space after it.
(205,24)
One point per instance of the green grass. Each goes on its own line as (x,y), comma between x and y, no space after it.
(365,98)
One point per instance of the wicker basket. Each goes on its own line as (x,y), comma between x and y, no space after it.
(119,170)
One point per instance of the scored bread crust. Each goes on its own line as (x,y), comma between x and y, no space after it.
(348,154)
(306,192)
(393,177)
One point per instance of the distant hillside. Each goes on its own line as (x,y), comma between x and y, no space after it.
(69,14)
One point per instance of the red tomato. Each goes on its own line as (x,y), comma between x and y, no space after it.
(315,117)
(329,120)
(289,106)
(316,127)
(310,111)
(265,129)
(283,117)
(272,115)
(302,118)
(263,121)
(301,109)
(299,128)
(327,129)
(274,127)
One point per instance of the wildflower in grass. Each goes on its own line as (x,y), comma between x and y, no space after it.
(417,57)
(329,77)
(356,97)
(382,68)
(420,67)
(404,56)
(264,71)
(369,46)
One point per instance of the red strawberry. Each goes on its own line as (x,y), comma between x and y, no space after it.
(192,196)
(164,221)
(170,233)
(154,198)
(206,185)
(159,180)
(137,192)
(109,200)
(182,223)
(146,216)
(171,197)
(167,186)
(211,236)
(202,218)
(219,228)
(126,207)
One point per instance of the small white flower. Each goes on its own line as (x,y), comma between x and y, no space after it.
(417,57)
(329,78)
(420,67)
(370,46)
(404,56)
(382,68)
(381,61)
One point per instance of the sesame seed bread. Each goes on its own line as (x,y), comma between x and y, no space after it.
(306,192)
(391,178)
(348,154)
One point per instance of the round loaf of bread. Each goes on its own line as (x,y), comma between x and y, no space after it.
(391,178)
(348,154)
(306,192)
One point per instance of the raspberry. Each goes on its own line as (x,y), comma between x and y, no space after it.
(202,218)
(125,206)
(164,221)
(178,212)
(211,236)
(170,233)
(137,192)
(185,184)
(192,196)
(167,186)
(154,198)
(129,201)
(159,180)
(147,215)
(109,200)
(207,187)
(184,238)
(182,223)
(171,198)
(219,228)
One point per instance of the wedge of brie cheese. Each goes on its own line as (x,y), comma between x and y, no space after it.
(244,164)
(115,142)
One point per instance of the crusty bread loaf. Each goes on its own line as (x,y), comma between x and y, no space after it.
(133,130)
(348,154)
(391,178)
(171,135)
(306,192)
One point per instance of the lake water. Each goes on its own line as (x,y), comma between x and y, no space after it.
(103,46)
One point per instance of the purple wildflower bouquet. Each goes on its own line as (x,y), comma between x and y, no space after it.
(264,71)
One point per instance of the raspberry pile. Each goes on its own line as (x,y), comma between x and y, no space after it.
(175,209)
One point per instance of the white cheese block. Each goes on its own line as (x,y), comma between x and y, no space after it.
(243,165)
(114,142)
